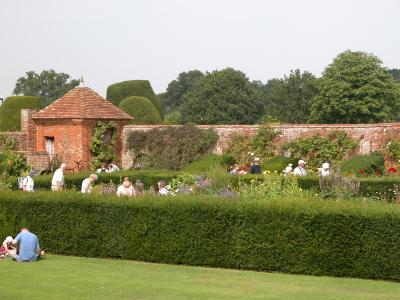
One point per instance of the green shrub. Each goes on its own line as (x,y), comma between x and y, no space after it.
(74,181)
(10,111)
(362,165)
(203,164)
(345,239)
(141,109)
(170,147)
(318,149)
(278,163)
(122,90)
(394,149)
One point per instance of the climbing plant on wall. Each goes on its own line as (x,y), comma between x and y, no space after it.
(103,145)
(11,163)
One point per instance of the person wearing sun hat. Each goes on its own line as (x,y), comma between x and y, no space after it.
(300,170)
(255,167)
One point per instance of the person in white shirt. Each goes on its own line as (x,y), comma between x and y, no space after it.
(126,188)
(103,168)
(161,188)
(288,170)
(112,168)
(27,183)
(300,170)
(324,171)
(87,184)
(57,182)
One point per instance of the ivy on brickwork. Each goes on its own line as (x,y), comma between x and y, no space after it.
(103,145)
(11,163)
(394,149)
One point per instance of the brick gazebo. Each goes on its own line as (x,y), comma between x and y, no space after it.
(65,128)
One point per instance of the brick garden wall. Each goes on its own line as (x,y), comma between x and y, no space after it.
(371,137)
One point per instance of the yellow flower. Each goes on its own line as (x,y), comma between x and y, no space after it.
(300,190)
(275,171)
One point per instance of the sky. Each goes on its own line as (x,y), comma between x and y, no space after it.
(108,41)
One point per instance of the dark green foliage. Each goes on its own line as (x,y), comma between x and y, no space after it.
(10,111)
(48,85)
(223,97)
(305,237)
(279,163)
(122,90)
(74,181)
(289,99)
(178,88)
(395,73)
(364,165)
(318,149)
(356,88)
(394,149)
(141,109)
(170,147)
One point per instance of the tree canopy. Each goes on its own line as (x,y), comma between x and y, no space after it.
(356,88)
(395,73)
(48,85)
(178,88)
(223,97)
(289,99)
(141,109)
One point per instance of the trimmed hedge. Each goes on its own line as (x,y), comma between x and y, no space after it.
(141,109)
(10,111)
(306,237)
(149,178)
(119,91)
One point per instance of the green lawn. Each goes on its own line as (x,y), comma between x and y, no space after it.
(59,277)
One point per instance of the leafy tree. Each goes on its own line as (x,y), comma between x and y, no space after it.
(48,85)
(178,88)
(395,73)
(289,99)
(141,109)
(356,88)
(223,97)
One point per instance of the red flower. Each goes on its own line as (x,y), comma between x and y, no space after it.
(362,171)
(392,170)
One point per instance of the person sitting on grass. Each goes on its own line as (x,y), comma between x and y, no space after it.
(87,184)
(57,182)
(255,167)
(126,188)
(162,188)
(28,247)
(7,245)
(139,187)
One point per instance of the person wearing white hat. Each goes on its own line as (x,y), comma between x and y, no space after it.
(300,170)
(288,170)
(324,171)
(255,167)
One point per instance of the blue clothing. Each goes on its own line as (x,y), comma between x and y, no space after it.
(255,169)
(28,245)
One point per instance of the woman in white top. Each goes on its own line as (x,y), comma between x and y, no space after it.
(87,184)
(126,188)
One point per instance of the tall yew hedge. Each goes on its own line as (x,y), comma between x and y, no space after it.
(306,237)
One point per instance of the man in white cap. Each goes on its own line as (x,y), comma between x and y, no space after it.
(325,169)
(255,167)
(300,170)
(27,183)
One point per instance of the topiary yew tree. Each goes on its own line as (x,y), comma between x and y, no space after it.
(10,111)
(141,109)
(356,88)
(122,90)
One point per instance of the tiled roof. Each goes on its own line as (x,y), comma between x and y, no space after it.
(82,103)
